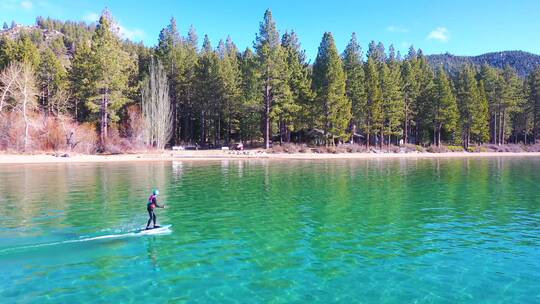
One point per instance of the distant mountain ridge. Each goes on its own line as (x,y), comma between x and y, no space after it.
(523,62)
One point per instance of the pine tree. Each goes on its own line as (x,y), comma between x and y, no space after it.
(473,107)
(422,103)
(444,112)
(185,85)
(230,87)
(271,69)
(493,86)
(27,52)
(392,98)
(511,97)
(51,76)
(251,107)
(209,93)
(355,85)
(169,39)
(192,38)
(5,26)
(520,116)
(376,52)
(329,87)
(110,76)
(373,122)
(480,125)
(534,102)
(466,88)
(411,91)
(295,110)
(8,51)
(82,81)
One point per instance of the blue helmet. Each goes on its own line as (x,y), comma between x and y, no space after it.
(155,192)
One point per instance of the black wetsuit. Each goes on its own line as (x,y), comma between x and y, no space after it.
(152,204)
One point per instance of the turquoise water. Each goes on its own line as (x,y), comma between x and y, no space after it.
(369,231)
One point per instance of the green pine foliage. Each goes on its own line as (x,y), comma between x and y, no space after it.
(27,52)
(52,80)
(295,108)
(374,116)
(443,112)
(250,105)
(534,102)
(209,93)
(329,87)
(473,106)
(272,72)
(355,84)
(230,76)
(8,51)
(392,100)
(110,66)
(272,93)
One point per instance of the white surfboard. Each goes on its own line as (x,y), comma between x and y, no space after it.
(159,230)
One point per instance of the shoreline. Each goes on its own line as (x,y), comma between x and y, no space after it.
(212,155)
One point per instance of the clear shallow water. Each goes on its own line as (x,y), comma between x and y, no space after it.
(372,231)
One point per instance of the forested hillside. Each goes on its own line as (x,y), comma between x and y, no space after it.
(524,63)
(80,87)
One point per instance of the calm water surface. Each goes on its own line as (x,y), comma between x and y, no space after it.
(371,231)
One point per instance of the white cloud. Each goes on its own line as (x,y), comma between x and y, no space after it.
(27,5)
(122,31)
(131,34)
(441,33)
(91,17)
(396,29)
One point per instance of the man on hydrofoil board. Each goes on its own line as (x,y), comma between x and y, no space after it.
(150,206)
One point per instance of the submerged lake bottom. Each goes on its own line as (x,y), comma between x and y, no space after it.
(259,231)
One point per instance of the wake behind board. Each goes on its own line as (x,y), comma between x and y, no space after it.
(158,230)
(166,229)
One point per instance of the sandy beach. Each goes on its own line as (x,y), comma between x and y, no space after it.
(207,155)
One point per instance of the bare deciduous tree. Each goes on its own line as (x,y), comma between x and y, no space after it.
(156,107)
(8,78)
(24,94)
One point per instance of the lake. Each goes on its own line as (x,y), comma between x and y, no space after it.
(260,231)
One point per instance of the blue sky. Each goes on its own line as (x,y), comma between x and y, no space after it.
(458,27)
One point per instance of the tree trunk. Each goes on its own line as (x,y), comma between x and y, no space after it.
(5,91)
(367,136)
(535,121)
(267,103)
(228,130)
(25,101)
(175,121)
(406,128)
(218,131)
(435,135)
(439,129)
(494,136)
(104,117)
(503,127)
(280,130)
(202,127)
